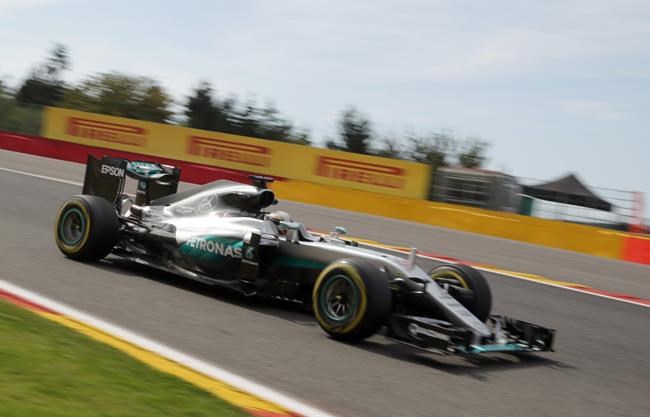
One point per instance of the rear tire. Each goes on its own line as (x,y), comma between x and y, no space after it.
(466,277)
(86,228)
(351,300)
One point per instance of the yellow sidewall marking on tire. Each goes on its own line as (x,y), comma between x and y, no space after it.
(453,274)
(71,249)
(353,274)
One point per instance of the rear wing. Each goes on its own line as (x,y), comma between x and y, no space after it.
(106,178)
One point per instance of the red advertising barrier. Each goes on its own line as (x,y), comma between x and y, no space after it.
(193,173)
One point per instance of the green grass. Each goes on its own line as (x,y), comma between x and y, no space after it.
(49,370)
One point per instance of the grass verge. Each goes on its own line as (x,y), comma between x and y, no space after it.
(49,370)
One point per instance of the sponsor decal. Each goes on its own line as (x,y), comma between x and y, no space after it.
(227,248)
(231,151)
(361,172)
(111,170)
(106,131)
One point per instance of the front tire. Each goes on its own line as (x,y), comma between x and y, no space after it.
(86,228)
(463,277)
(351,299)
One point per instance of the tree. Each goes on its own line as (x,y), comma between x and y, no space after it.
(472,153)
(389,148)
(155,103)
(265,123)
(57,62)
(6,107)
(121,95)
(433,149)
(45,86)
(355,133)
(246,120)
(200,109)
(39,92)
(301,137)
(273,126)
(17,118)
(442,149)
(206,111)
(4,92)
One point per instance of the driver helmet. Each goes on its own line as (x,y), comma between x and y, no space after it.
(279,216)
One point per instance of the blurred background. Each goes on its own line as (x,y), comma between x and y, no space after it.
(528,93)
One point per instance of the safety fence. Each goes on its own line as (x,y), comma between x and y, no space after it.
(626,209)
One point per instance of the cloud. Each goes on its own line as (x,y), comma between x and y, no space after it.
(423,41)
(592,109)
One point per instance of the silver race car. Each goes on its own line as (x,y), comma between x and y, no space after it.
(222,233)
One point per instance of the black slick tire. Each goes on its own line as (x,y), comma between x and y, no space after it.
(86,228)
(351,299)
(464,276)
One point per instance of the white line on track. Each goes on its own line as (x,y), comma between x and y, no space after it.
(198,365)
(551,284)
(522,277)
(507,274)
(43,177)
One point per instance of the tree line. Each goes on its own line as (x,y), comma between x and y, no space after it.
(143,98)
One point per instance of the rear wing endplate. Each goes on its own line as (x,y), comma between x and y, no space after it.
(106,178)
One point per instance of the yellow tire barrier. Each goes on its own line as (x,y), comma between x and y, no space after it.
(584,239)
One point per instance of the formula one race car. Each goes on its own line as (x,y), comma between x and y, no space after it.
(221,233)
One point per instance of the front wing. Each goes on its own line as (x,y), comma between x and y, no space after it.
(437,336)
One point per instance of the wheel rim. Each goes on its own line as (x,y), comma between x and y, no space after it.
(340,298)
(72,227)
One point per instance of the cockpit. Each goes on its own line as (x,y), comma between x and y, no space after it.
(231,205)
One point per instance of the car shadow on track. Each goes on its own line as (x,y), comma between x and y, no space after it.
(475,366)
(289,311)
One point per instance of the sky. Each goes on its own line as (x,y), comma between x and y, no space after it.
(553,86)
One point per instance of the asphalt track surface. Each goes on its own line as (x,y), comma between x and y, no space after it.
(601,368)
